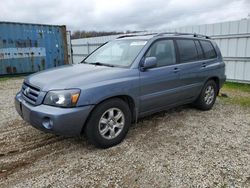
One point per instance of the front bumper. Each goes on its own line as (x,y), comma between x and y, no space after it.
(65,121)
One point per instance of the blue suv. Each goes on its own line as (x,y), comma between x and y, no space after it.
(121,81)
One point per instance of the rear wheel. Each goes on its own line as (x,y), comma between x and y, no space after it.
(108,123)
(207,96)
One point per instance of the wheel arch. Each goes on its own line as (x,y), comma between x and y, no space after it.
(217,82)
(126,98)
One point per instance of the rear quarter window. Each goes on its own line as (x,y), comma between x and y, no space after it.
(187,50)
(209,51)
(199,50)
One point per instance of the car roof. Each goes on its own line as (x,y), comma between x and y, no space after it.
(149,36)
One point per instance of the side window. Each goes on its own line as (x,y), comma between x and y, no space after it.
(187,50)
(208,49)
(199,49)
(164,51)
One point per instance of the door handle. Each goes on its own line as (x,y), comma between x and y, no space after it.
(204,65)
(176,70)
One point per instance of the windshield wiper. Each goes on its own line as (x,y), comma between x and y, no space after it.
(101,64)
(82,62)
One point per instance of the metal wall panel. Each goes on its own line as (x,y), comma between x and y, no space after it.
(247,71)
(248,47)
(26,48)
(69,47)
(233,39)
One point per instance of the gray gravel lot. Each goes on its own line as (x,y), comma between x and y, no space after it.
(182,147)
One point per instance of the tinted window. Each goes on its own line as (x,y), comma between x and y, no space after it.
(208,49)
(187,50)
(164,51)
(199,49)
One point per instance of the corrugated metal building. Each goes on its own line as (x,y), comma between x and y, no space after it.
(232,37)
(26,48)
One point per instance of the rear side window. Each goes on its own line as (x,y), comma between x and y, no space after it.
(208,49)
(187,50)
(164,52)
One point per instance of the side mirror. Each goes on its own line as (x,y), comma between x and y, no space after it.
(149,62)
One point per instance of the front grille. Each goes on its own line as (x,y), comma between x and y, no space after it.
(30,93)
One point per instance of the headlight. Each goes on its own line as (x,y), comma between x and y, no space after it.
(62,98)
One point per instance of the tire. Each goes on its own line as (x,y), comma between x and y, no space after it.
(207,96)
(108,124)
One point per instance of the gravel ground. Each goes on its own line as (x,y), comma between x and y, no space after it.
(183,147)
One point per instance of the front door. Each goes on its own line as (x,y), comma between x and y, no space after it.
(159,85)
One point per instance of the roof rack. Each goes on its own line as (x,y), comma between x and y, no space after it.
(135,35)
(191,34)
(165,33)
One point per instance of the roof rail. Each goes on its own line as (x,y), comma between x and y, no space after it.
(191,34)
(135,35)
(164,33)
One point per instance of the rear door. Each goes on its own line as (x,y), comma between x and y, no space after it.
(191,63)
(158,86)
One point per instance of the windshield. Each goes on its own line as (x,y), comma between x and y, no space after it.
(119,53)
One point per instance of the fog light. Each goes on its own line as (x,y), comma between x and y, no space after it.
(47,123)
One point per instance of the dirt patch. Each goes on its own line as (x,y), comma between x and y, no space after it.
(182,147)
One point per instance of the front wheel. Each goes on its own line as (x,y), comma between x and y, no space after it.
(108,123)
(207,96)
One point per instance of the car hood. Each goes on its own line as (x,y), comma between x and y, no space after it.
(74,76)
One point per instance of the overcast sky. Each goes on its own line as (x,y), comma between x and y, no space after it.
(122,15)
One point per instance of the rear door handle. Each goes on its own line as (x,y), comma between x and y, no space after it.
(176,70)
(204,65)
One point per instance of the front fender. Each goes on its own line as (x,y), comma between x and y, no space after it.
(97,92)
